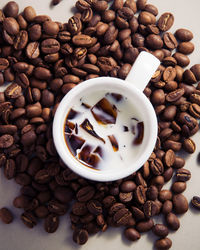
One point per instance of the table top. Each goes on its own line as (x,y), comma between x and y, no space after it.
(17,236)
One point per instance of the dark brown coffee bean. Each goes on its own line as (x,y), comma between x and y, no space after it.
(167,207)
(51,223)
(175,146)
(11,9)
(50,46)
(132,234)
(79,208)
(189,145)
(165,21)
(41,212)
(23,179)
(178,187)
(184,35)
(180,204)
(141,4)
(128,186)
(11,25)
(100,5)
(74,25)
(149,208)
(21,67)
(165,195)
(163,244)
(29,13)
(183,174)
(42,176)
(32,50)
(146,18)
(195,202)
(80,236)
(144,226)
(181,59)
(94,207)
(154,41)
(122,216)
(6,215)
(152,193)
(158,97)
(64,195)
(115,207)
(186,48)
(13,91)
(140,194)
(157,167)
(170,40)
(169,158)
(6,141)
(4,64)
(110,35)
(85,194)
(57,207)
(160,230)
(172,221)
(8,129)
(168,173)
(21,40)
(169,74)
(28,138)
(29,219)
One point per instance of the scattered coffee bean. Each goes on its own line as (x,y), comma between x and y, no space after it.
(6,215)
(196,202)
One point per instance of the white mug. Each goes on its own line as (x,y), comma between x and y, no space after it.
(132,87)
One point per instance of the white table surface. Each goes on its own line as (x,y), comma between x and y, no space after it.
(17,237)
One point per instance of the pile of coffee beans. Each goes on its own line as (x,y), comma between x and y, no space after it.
(44,60)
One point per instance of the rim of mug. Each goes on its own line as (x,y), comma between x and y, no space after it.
(60,119)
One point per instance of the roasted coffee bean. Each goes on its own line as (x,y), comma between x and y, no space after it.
(184,35)
(169,158)
(50,46)
(146,18)
(74,25)
(80,236)
(170,40)
(154,41)
(157,167)
(94,207)
(183,174)
(10,169)
(122,217)
(180,204)
(4,64)
(29,219)
(85,194)
(51,223)
(165,195)
(23,179)
(163,244)
(28,138)
(29,13)
(149,208)
(115,207)
(172,221)
(181,59)
(144,226)
(140,194)
(6,141)
(132,234)
(11,25)
(167,207)
(64,195)
(168,173)
(42,176)
(6,215)
(160,230)
(165,21)
(57,207)
(158,97)
(110,35)
(128,186)
(195,202)
(11,9)
(189,145)
(152,193)
(79,208)
(178,187)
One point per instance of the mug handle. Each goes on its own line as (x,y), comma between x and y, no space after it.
(142,70)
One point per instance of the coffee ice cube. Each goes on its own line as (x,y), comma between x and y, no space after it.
(72,114)
(114,142)
(99,151)
(74,142)
(87,126)
(104,112)
(140,133)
